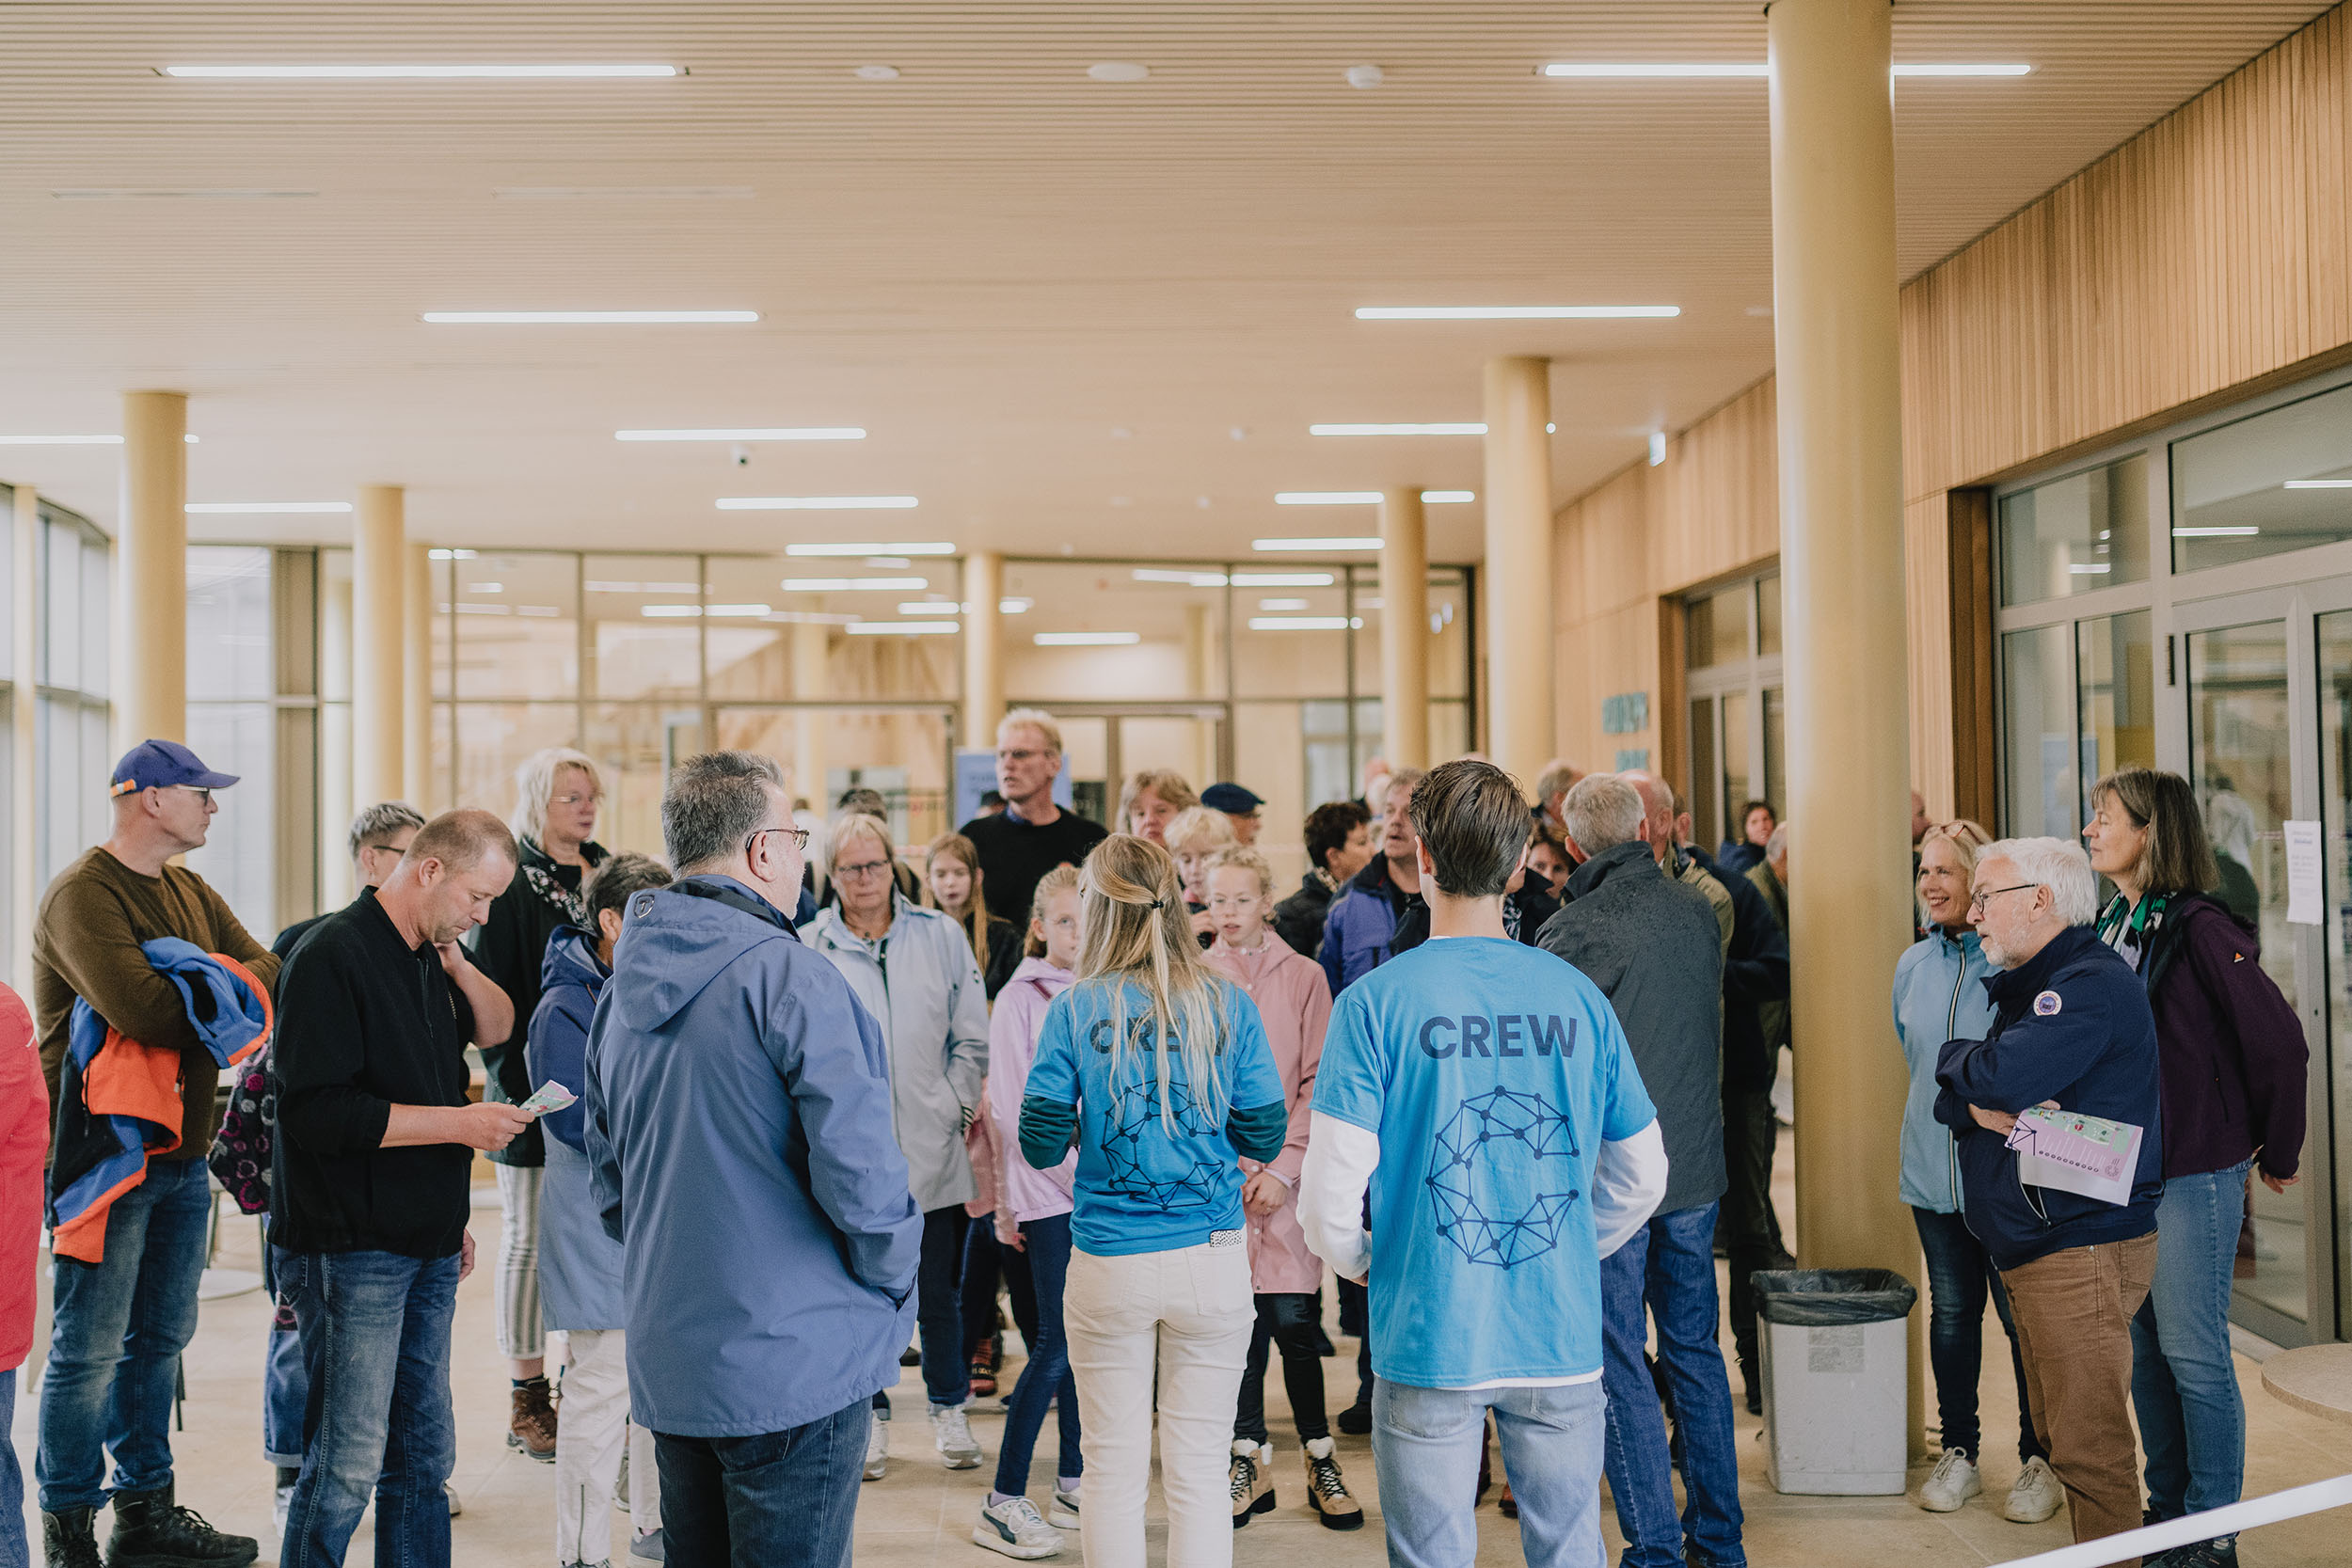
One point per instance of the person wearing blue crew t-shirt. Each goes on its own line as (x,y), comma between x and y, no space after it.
(1506,1153)
(1158,1070)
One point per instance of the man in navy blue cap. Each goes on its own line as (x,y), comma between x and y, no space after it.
(114,1355)
(1238,805)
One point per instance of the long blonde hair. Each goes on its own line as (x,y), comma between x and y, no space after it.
(1136,929)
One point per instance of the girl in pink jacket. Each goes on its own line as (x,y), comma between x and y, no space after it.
(1295,1001)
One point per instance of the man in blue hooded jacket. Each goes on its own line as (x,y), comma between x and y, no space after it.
(2071,1028)
(738,1123)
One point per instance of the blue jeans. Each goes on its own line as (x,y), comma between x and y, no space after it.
(13,1552)
(1046,1245)
(939,1312)
(1959,1276)
(285,1385)
(375,1328)
(2192,1419)
(114,1353)
(782,1499)
(1669,1268)
(1426,1444)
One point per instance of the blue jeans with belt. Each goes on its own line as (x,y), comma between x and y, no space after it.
(114,1351)
(2192,1419)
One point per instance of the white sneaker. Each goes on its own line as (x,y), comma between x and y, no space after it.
(1954,1481)
(878,1447)
(2036,1495)
(951,1434)
(1064,1514)
(450,1489)
(1016,1529)
(277,1506)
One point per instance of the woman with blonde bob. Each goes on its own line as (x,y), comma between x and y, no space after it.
(1158,1070)
(1195,835)
(1152,799)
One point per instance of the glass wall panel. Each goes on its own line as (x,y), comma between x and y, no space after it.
(95,619)
(240,854)
(645,626)
(8,587)
(1295,756)
(1716,626)
(2043,787)
(2115,680)
(1706,790)
(61,605)
(517,624)
(2274,481)
(635,745)
(2085,531)
(1737,744)
(1449,646)
(229,649)
(493,738)
(901,753)
(1776,749)
(1767,614)
(1170,623)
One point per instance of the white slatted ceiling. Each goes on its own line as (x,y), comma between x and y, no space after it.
(991,262)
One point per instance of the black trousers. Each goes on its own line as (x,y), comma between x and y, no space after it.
(939,1308)
(986,1262)
(1292,1324)
(1749,1227)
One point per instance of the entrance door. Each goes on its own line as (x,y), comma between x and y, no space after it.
(2268,688)
(1107,743)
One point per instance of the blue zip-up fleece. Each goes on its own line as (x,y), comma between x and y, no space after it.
(1357,927)
(2071,1024)
(580,1266)
(1939,996)
(738,1121)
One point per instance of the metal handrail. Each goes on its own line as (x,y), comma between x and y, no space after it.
(2149,1539)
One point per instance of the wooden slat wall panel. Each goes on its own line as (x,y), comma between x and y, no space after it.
(2213,249)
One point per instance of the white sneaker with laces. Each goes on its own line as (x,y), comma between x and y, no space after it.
(951,1434)
(1953,1482)
(2035,1496)
(877,1448)
(1016,1529)
(1064,1514)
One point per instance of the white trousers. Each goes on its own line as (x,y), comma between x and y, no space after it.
(1186,1314)
(515,1289)
(588,1445)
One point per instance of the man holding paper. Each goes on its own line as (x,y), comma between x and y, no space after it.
(2071,1030)
(371,1184)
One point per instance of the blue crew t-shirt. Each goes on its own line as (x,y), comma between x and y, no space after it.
(1492,1073)
(1139,1186)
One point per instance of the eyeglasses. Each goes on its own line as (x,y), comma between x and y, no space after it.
(862,869)
(800,839)
(1975,903)
(202,792)
(572,800)
(1007,754)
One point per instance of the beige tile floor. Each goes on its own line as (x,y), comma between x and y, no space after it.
(920,1516)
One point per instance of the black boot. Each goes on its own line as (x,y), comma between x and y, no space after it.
(66,1540)
(1752,1381)
(152,1532)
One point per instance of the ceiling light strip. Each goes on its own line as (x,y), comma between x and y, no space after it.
(759,433)
(1470,427)
(817,503)
(1512,312)
(935,546)
(1336,542)
(437,72)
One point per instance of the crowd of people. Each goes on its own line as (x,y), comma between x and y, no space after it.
(1501,1067)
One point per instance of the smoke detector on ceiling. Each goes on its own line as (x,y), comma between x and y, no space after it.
(1365,77)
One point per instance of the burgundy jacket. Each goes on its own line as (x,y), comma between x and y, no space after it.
(2234,1053)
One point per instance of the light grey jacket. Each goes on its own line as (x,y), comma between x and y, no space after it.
(924,988)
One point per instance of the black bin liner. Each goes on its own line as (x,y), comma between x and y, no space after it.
(1828,1298)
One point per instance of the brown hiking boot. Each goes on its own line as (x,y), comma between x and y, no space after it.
(531,1426)
(1252,1489)
(1326,1493)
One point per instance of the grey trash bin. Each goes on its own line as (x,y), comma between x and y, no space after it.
(1837,1380)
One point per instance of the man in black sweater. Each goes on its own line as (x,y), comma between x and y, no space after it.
(1031,835)
(370,1184)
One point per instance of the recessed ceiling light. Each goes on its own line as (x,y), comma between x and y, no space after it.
(695,611)
(1118,70)
(254,509)
(1338,542)
(816,503)
(1304,622)
(486,588)
(1281,604)
(932,548)
(584,318)
(757,433)
(71,440)
(1511,312)
(1963,67)
(1282,580)
(1657,447)
(1014,605)
(595,585)
(876,73)
(1364,77)
(905,628)
(855,585)
(1466,427)
(1365,498)
(1753,70)
(451,555)
(438,73)
(1085,638)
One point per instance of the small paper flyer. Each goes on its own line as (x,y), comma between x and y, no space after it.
(2076,1153)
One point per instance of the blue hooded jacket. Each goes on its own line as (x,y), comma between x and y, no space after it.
(738,1123)
(2072,1025)
(580,1266)
(1939,996)
(1359,925)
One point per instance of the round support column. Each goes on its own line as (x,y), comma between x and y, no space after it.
(1519,633)
(151,566)
(983,662)
(380,616)
(1836,353)
(1403,628)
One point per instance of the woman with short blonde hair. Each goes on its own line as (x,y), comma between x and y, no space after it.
(1150,800)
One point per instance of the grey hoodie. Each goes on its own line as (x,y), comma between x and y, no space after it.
(738,1124)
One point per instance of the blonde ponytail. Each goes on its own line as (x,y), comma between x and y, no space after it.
(1137,931)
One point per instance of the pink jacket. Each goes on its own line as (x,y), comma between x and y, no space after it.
(1295,1001)
(1023,1191)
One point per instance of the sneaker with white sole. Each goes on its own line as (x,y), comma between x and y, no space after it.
(1953,1481)
(2035,1496)
(1064,1514)
(877,1448)
(1016,1529)
(951,1434)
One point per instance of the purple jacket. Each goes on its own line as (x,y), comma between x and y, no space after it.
(2234,1053)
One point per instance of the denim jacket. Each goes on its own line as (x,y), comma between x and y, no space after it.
(1939,996)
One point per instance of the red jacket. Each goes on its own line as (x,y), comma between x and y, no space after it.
(2235,1058)
(24,1145)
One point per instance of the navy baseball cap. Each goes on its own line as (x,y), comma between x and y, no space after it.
(161,764)
(1231,799)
